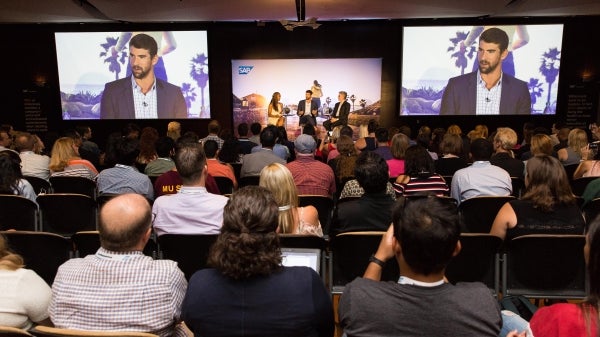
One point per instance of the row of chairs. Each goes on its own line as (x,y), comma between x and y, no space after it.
(79,185)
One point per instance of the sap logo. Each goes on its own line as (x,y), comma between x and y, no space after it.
(244,70)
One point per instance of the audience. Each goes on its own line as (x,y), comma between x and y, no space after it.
(383,149)
(165,148)
(245,145)
(249,292)
(311,176)
(254,162)
(571,154)
(255,128)
(65,161)
(451,160)
(174,130)
(88,149)
(292,219)
(119,288)
(11,178)
(368,142)
(192,210)
(32,164)
(343,164)
(332,151)
(5,140)
(25,296)
(214,166)
(278,149)
(419,176)
(400,143)
(213,133)
(147,147)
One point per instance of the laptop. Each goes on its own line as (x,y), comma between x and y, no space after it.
(307,257)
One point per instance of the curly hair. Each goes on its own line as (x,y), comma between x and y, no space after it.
(248,245)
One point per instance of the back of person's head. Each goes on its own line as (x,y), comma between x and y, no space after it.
(279,181)
(563,134)
(506,138)
(8,259)
(165,146)
(405,129)
(541,144)
(309,130)
(214,126)
(546,183)
(255,128)
(371,172)
(345,146)
(131,130)
(428,231)
(381,134)
(174,130)
(268,136)
(248,244)
(577,140)
(497,36)
(210,148)
(346,131)
(230,151)
(481,149)
(83,130)
(25,141)
(400,143)
(190,161)
(424,130)
(305,144)
(10,171)
(127,151)
(418,162)
(451,144)
(188,137)
(62,152)
(242,129)
(454,130)
(482,129)
(144,41)
(124,220)
(373,125)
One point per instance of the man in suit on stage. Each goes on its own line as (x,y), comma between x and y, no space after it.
(340,112)
(142,95)
(307,110)
(487,91)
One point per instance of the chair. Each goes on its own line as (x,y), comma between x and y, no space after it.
(45,331)
(67,213)
(591,210)
(518,185)
(88,242)
(102,198)
(578,185)
(349,254)
(478,261)
(248,180)
(39,185)
(308,241)
(324,206)
(43,252)
(17,212)
(7,331)
(545,266)
(190,251)
(80,185)
(225,185)
(237,168)
(477,214)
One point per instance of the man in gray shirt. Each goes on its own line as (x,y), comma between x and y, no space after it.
(424,237)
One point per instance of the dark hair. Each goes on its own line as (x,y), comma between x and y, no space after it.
(482,149)
(230,151)
(547,183)
(268,136)
(127,151)
(371,172)
(187,137)
(210,148)
(309,92)
(427,230)
(497,36)
(418,162)
(130,128)
(405,129)
(255,128)
(82,129)
(372,125)
(144,41)
(190,161)
(10,172)
(346,131)
(589,306)
(248,245)
(164,146)
(125,238)
(242,129)
(214,126)
(381,134)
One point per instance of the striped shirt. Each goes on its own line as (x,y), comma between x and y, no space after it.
(123,179)
(433,184)
(77,168)
(118,291)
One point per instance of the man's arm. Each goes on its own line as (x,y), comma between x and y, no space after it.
(106,108)
(448,105)
(384,253)
(344,112)
(300,111)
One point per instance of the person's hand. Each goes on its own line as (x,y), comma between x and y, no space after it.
(385,251)
(585,152)
(515,333)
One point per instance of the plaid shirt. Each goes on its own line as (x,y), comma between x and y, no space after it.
(118,291)
(312,176)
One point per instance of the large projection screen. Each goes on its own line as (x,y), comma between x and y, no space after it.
(432,54)
(255,80)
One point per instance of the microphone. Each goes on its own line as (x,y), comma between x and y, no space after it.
(487,99)
(146,104)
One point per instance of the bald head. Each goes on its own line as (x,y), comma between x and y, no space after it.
(24,142)
(125,223)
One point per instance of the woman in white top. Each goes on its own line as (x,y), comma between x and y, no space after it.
(25,296)
(275,109)
(292,219)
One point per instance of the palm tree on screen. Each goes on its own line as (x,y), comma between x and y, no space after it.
(549,67)
(114,64)
(462,56)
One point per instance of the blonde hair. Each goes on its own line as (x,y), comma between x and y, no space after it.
(279,180)
(363,131)
(454,130)
(483,129)
(507,138)
(174,130)
(541,144)
(62,152)
(8,259)
(577,140)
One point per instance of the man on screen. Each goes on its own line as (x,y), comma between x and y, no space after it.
(142,95)
(487,91)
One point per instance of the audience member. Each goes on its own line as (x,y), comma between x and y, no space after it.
(32,164)
(119,288)
(88,149)
(214,166)
(230,151)
(292,219)
(424,238)
(383,149)
(466,142)
(504,142)
(343,131)
(372,211)
(213,133)
(25,296)
(419,176)
(571,155)
(343,164)
(451,160)
(131,130)
(255,128)
(174,130)
(368,142)
(588,167)
(5,140)
(147,148)
(277,300)
(244,142)
(11,178)
(165,149)
(399,145)
(65,161)
(311,176)
(254,162)
(192,210)
(562,138)
(277,149)
(481,178)
(541,144)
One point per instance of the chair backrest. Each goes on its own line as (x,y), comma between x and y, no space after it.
(67,213)
(7,331)
(189,251)
(324,206)
(102,198)
(237,168)
(591,210)
(80,185)
(248,180)
(39,185)
(45,331)
(545,266)
(88,242)
(477,214)
(570,170)
(43,252)
(578,185)
(349,254)
(225,185)
(478,261)
(17,212)
(311,242)
(518,185)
